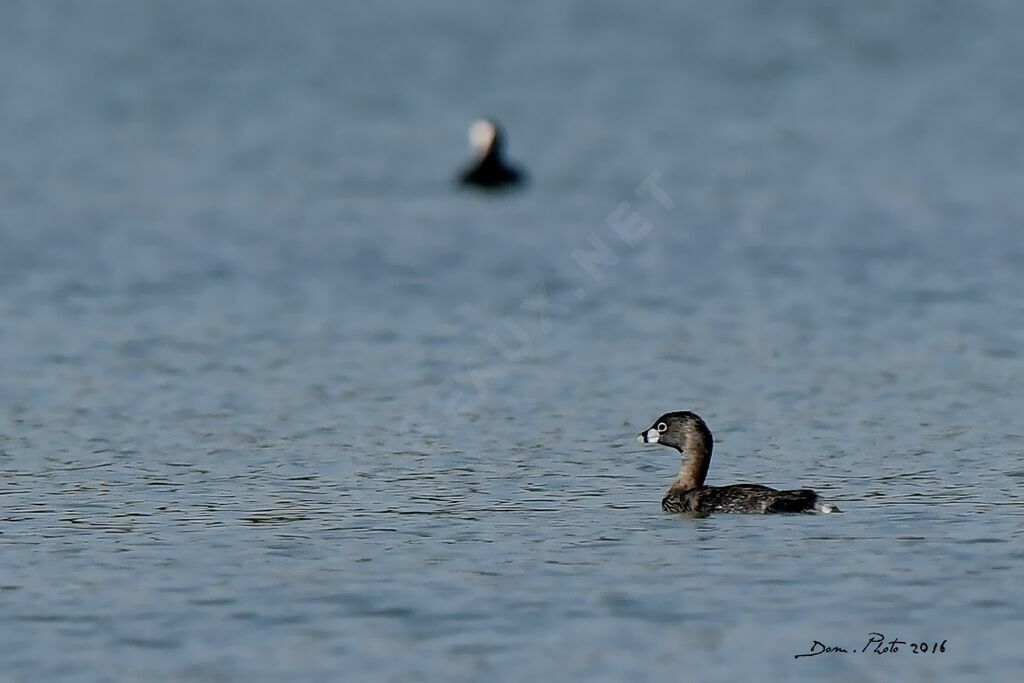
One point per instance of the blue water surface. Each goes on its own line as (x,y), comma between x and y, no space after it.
(278,402)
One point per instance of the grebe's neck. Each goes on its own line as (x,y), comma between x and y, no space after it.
(696,455)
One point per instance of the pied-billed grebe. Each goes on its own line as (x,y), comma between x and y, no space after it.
(687,433)
(489,170)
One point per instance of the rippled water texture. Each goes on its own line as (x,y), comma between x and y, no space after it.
(279,403)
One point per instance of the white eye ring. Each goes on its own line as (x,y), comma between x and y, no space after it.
(662,427)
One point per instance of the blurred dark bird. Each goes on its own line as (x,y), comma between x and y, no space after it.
(489,170)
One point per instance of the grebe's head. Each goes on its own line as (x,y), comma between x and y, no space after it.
(679,430)
(485,137)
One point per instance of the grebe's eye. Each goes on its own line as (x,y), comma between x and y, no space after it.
(662,427)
